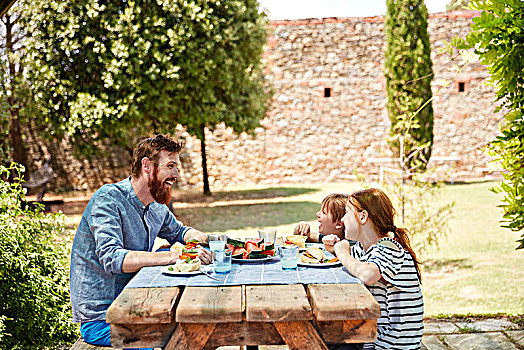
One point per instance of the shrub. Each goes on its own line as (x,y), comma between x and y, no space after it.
(34,307)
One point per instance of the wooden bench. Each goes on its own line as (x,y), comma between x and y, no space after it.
(80,344)
(41,177)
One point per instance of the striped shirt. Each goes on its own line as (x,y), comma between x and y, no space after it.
(398,294)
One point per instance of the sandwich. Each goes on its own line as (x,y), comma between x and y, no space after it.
(187,265)
(296,240)
(313,255)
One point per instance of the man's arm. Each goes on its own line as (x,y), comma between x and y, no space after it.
(195,234)
(135,260)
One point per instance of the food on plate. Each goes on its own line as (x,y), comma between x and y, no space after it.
(314,255)
(186,265)
(296,240)
(188,250)
(251,249)
(178,247)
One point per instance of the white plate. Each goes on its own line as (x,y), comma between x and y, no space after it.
(165,269)
(327,254)
(252,260)
(300,263)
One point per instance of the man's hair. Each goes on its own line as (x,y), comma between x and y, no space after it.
(151,148)
(335,204)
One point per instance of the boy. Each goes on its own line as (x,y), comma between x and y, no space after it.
(329,217)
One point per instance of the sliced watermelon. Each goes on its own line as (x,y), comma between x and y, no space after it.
(268,246)
(238,253)
(269,252)
(258,241)
(256,255)
(235,242)
(250,246)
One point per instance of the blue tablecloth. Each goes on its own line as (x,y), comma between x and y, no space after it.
(268,272)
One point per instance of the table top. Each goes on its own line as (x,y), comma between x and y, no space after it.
(246,273)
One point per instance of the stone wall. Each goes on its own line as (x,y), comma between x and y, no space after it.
(307,137)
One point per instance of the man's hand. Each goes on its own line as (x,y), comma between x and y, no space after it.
(302,229)
(205,256)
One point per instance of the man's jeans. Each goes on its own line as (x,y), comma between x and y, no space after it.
(97,333)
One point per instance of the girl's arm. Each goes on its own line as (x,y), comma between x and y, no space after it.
(364,271)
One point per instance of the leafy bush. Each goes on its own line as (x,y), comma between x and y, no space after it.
(496,36)
(34,307)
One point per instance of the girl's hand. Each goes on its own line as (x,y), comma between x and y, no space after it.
(302,229)
(329,242)
(342,248)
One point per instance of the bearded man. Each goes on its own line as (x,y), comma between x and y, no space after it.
(117,232)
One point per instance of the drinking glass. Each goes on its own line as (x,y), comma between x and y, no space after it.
(217,242)
(222,261)
(269,236)
(288,257)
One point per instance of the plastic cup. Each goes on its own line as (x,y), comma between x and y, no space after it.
(269,236)
(217,242)
(222,261)
(288,257)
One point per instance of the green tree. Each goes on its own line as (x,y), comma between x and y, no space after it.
(123,69)
(457,5)
(408,70)
(497,37)
(13,91)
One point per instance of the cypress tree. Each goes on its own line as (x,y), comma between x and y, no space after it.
(409,71)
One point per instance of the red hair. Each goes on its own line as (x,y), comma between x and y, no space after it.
(381,213)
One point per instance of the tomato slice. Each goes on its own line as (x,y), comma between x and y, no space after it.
(192,255)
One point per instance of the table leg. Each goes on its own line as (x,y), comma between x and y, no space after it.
(251,347)
(190,336)
(300,335)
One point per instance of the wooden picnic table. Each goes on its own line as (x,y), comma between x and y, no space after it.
(303,317)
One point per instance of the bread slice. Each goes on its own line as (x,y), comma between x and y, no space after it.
(297,240)
(187,266)
(312,255)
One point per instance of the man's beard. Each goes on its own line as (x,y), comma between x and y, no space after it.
(158,191)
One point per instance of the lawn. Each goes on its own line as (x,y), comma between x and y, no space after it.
(475,270)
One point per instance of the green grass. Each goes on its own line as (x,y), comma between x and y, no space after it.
(475,270)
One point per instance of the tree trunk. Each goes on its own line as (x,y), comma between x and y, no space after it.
(15,134)
(207,191)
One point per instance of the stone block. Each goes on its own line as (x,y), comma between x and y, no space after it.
(478,341)
(516,336)
(439,327)
(432,342)
(488,325)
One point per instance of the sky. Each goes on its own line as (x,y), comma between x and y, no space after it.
(300,9)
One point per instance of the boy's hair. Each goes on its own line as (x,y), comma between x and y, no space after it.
(335,204)
(151,148)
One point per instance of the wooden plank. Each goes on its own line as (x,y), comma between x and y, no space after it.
(143,305)
(141,335)
(300,335)
(277,303)
(244,334)
(190,336)
(354,331)
(338,302)
(80,344)
(210,304)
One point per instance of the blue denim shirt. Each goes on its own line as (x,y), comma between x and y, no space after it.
(114,222)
